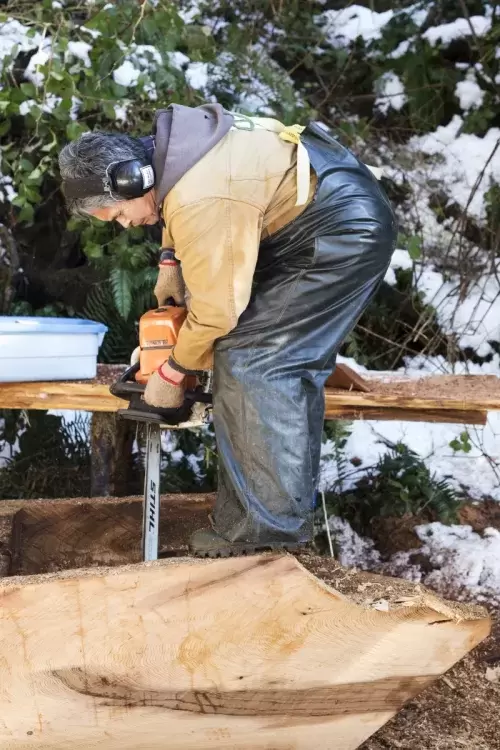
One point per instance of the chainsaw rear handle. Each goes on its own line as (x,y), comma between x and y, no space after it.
(126,387)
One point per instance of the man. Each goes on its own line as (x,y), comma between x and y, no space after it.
(283,237)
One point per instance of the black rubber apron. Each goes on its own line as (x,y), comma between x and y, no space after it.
(313,281)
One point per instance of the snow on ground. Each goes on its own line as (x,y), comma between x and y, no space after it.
(352,550)
(466,565)
(469,93)
(476,470)
(475,317)
(344,26)
(461,27)
(467,562)
(391,93)
(463,162)
(400,259)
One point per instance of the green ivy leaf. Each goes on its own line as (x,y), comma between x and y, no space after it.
(29,90)
(415,247)
(109,110)
(27,214)
(74,130)
(25,165)
(92,249)
(35,176)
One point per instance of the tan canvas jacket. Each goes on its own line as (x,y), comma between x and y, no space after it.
(216,215)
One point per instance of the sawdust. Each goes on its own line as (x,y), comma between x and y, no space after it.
(370,589)
(106,375)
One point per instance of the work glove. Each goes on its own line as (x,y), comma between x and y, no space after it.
(163,392)
(170,283)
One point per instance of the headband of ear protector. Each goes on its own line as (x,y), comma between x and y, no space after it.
(123,180)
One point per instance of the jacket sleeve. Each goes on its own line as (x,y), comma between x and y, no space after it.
(217,241)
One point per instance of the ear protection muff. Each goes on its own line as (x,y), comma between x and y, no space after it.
(123,180)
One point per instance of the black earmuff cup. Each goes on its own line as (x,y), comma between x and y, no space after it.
(128,179)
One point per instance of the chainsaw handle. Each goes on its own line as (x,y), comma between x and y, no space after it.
(199,396)
(126,385)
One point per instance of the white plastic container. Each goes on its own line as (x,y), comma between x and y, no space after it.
(38,349)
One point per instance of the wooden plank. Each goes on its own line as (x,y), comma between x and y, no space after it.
(89,397)
(388,413)
(59,395)
(348,379)
(386,400)
(463,394)
(244,654)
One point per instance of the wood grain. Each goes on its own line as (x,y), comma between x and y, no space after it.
(244,654)
(59,395)
(390,413)
(348,379)
(340,404)
(55,535)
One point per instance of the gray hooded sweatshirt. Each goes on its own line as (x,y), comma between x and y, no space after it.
(183,135)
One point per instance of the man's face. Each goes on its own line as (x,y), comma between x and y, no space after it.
(132,213)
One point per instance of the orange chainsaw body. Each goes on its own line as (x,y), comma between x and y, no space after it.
(158,332)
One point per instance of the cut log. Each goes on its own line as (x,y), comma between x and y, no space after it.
(43,536)
(244,654)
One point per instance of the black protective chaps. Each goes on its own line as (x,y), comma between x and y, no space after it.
(314,279)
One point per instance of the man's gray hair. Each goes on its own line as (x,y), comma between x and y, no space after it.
(91,155)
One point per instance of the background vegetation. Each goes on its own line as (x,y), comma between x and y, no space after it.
(68,67)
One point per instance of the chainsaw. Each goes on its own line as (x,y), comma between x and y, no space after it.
(158,332)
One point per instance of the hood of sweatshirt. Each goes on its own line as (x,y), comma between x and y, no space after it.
(183,135)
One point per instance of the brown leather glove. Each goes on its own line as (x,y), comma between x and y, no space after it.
(170,282)
(163,393)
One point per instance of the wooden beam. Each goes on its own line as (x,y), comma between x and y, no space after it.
(41,536)
(348,379)
(249,653)
(87,396)
(387,413)
(461,399)
(466,401)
